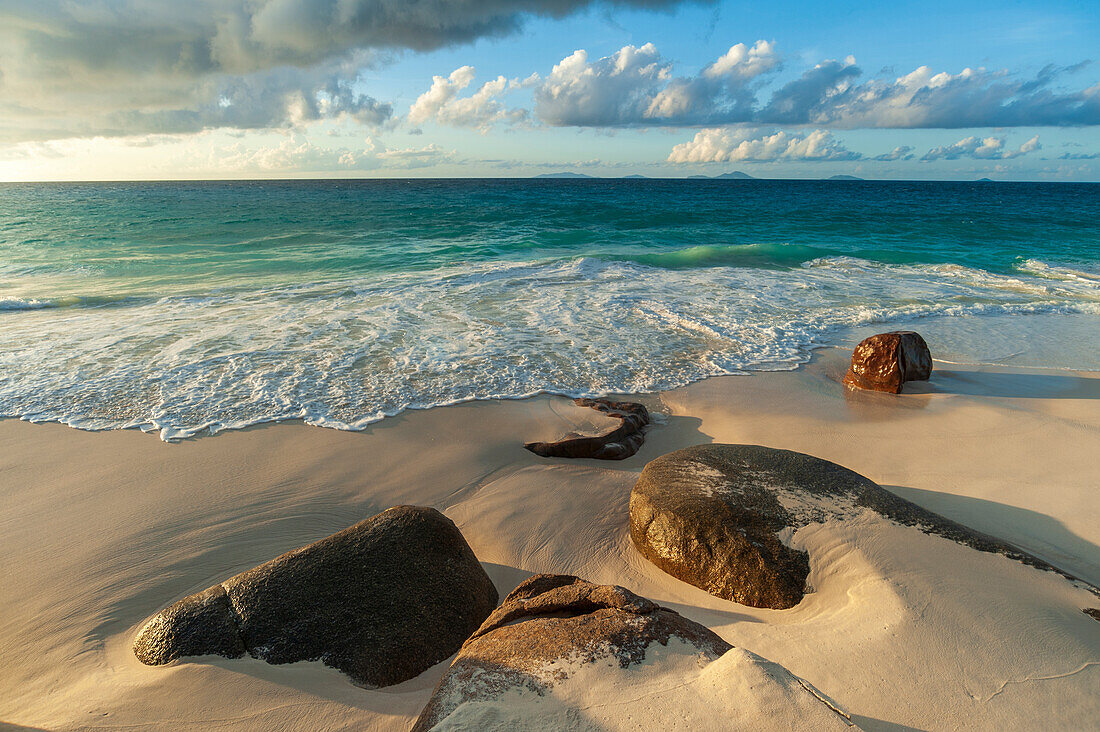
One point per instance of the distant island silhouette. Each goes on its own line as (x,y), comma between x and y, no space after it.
(732,175)
(564,174)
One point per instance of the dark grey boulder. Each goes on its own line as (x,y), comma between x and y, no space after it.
(712,515)
(381,601)
(550,618)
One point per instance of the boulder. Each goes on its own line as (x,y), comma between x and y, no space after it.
(618,444)
(716,516)
(563,653)
(381,601)
(885,361)
(550,619)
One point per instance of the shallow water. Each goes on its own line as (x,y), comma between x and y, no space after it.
(189,306)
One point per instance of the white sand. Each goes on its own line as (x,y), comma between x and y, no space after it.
(673,685)
(100,530)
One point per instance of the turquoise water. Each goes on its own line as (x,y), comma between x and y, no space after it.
(182,307)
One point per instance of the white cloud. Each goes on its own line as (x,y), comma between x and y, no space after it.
(609,91)
(828,95)
(988,148)
(416,157)
(635,86)
(481,110)
(718,145)
(901,152)
(291,155)
(744,62)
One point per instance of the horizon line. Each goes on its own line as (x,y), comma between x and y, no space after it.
(548,177)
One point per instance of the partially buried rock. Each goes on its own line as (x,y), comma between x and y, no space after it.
(563,653)
(549,624)
(885,361)
(715,516)
(618,444)
(381,601)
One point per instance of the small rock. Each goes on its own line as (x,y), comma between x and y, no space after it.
(885,361)
(381,601)
(618,444)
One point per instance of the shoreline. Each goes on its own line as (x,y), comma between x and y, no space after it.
(103,529)
(1036,337)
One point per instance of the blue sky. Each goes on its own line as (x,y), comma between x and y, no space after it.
(782,89)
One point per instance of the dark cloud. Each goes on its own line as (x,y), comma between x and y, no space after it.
(808,98)
(135,66)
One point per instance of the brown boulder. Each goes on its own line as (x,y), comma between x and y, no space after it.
(546,629)
(618,444)
(885,361)
(381,601)
(712,516)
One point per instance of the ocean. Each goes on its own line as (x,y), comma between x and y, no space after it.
(199,306)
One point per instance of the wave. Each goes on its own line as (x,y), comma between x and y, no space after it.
(347,353)
(1057,272)
(777,256)
(24,304)
(764,256)
(74,302)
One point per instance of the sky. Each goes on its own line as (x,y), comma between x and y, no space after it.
(162,89)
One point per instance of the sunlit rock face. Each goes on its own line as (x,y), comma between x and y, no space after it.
(884,362)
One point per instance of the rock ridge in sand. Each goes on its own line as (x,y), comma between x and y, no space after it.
(381,601)
(618,444)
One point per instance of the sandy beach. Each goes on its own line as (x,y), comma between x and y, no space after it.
(100,530)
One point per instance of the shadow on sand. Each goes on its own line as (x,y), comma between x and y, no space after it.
(1007,385)
(870,724)
(1057,546)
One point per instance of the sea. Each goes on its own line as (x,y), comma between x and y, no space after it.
(193,307)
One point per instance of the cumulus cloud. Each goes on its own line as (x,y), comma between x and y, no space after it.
(901,152)
(926,99)
(988,148)
(131,66)
(635,86)
(718,145)
(482,109)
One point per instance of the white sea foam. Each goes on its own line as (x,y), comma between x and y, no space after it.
(16,303)
(347,353)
